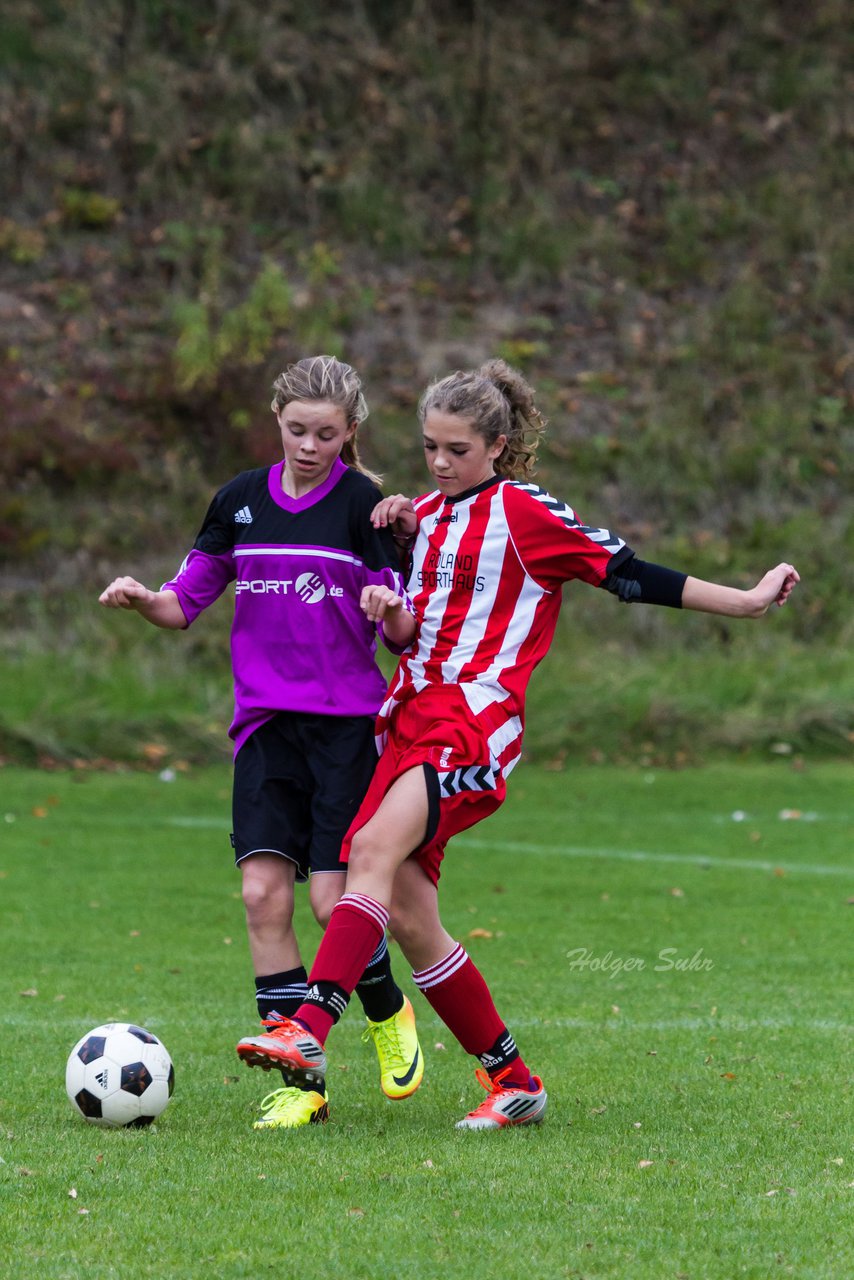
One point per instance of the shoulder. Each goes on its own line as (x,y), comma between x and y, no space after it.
(246,483)
(525,500)
(360,486)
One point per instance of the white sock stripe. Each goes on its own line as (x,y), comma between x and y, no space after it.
(380,953)
(269,993)
(442,970)
(367,906)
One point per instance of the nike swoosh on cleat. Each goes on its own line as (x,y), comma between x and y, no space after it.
(411,1072)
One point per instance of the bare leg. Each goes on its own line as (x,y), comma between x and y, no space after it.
(325,888)
(415,923)
(268,896)
(386,840)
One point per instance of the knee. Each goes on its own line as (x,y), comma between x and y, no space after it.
(266,896)
(322,908)
(366,854)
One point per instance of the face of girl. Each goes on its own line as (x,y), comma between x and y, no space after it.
(313,434)
(457,455)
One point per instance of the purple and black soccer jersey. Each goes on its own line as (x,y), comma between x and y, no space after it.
(299,641)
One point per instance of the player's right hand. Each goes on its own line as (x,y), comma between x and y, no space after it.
(125,593)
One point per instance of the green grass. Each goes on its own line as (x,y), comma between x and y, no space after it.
(727,1073)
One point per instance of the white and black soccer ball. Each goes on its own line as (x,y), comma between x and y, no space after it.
(119,1076)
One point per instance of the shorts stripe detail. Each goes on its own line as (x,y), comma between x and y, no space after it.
(366,906)
(477,777)
(442,970)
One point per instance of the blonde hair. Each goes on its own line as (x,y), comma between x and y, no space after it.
(326,378)
(498,401)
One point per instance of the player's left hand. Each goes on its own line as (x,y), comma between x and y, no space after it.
(377,601)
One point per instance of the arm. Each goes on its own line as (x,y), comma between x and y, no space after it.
(158,607)
(381,604)
(709,597)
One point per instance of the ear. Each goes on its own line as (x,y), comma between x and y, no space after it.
(496,449)
(352,426)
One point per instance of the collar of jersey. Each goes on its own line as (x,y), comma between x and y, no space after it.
(478,488)
(284,500)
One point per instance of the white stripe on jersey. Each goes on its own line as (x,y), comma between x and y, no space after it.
(489,562)
(303,552)
(505,734)
(432,621)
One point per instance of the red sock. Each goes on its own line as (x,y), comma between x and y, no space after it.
(352,936)
(458,993)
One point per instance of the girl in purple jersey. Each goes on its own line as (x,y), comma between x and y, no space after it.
(297,541)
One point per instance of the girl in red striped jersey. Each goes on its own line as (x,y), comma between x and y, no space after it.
(489,553)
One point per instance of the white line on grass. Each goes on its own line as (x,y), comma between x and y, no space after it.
(585,851)
(683,1024)
(638,855)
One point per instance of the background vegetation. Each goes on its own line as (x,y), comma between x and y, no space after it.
(645,205)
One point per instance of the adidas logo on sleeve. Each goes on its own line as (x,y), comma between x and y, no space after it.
(243,516)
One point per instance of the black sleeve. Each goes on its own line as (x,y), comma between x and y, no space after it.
(376,546)
(637,582)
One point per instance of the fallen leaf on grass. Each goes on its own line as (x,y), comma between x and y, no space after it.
(428,1164)
(645,1164)
(480,933)
(30,991)
(73,1193)
(727,1075)
(355,1213)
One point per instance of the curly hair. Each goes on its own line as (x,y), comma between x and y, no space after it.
(326,378)
(498,401)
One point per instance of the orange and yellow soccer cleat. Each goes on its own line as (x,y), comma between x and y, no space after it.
(289,1047)
(505,1105)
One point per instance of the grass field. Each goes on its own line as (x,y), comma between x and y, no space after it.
(672,951)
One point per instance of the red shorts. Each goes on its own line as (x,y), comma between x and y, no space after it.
(436,729)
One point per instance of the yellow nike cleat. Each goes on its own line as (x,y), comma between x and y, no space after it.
(399,1053)
(290,1108)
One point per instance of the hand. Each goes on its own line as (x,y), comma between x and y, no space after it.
(378,602)
(398,512)
(126,593)
(775,588)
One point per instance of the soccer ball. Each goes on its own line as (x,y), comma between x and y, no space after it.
(119,1076)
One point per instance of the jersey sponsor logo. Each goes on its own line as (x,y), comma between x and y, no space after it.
(309,587)
(452,570)
(243,516)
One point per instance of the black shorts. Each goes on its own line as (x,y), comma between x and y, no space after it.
(298,783)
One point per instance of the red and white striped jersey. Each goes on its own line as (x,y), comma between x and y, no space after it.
(486,577)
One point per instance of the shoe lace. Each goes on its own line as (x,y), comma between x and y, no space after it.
(492,1085)
(386,1038)
(281,1101)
